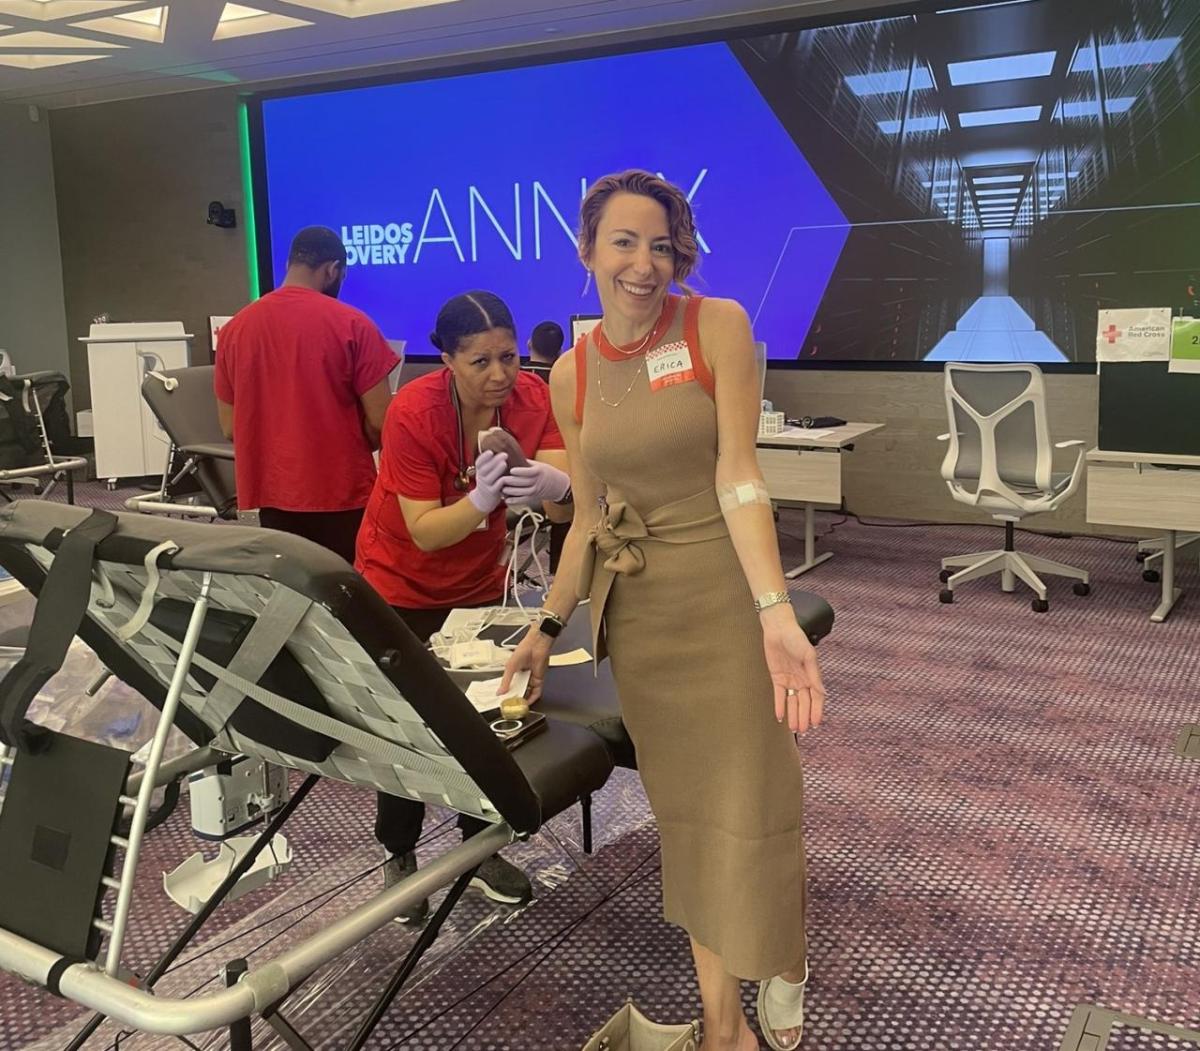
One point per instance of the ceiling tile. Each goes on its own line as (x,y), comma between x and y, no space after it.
(363,8)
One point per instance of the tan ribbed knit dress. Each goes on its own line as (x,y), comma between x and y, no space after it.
(671,606)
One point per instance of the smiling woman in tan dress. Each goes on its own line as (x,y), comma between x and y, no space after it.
(674,541)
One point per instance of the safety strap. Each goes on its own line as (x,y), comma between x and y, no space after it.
(276,624)
(61,606)
(142,614)
(362,740)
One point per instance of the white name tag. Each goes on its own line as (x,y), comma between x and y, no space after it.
(669,364)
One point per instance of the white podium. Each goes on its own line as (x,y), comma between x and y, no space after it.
(130,442)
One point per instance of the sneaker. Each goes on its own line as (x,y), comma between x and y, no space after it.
(502,881)
(395,870)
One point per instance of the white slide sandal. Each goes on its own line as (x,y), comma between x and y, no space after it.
(781,1006)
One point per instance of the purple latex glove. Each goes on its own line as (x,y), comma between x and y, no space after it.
(489,478)
(536,483)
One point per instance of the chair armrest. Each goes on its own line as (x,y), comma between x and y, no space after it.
(944,437)
(1069,444)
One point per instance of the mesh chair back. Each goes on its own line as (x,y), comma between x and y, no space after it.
(188,413)
(997,415)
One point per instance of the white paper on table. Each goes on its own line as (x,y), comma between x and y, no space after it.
(565,660)
(801,432)
(1142,334)
(484,695)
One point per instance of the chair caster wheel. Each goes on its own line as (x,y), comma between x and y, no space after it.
(945,575)
(1081,588)
(1141,556)
(1039,605)
(945,595)
(1150,576)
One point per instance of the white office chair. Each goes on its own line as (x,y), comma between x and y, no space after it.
(999,459)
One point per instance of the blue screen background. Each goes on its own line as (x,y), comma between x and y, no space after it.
(525,143)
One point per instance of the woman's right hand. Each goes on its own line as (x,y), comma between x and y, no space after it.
(490,469)
(532,655)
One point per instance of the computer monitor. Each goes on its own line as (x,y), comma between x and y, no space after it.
(1146,408)
(581,323)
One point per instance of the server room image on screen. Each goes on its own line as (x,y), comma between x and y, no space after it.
(970,183)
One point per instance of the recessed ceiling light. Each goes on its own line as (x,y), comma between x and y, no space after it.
(1127,53)
(981,118)
(38,38)
(1091,108)
(364,8)
(889,82)
(44,61)
(1007,67)
(151,16)
(239,20)
(986,180)
(44,10)
(149,25)
(892,127)
(1010,191)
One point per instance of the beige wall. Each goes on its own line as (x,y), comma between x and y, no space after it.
(32,325)
(133,182)
(895,472)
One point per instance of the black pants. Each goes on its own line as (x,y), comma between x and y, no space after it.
(558,534)
(336,530)
(398,821)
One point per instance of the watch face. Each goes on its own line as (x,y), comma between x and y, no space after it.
(550,627)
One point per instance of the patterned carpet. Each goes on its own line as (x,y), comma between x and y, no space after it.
(998,826)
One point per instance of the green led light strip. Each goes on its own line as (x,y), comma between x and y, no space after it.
(248,202)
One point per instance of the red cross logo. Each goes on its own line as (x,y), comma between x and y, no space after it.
(1111,333)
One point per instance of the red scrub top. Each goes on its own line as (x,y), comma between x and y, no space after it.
(419,461)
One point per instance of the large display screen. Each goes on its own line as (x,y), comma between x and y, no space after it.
(968,184)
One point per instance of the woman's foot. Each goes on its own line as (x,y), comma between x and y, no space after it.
(781,1010)
(744,1041)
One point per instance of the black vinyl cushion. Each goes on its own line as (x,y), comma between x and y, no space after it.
(563,764)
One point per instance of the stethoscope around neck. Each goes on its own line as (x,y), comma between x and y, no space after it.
(462,479)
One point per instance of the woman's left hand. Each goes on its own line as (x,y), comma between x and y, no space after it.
(792,662)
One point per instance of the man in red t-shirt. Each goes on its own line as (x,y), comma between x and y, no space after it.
(302,389)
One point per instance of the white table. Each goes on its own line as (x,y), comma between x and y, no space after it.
(1159,491)
(805,467)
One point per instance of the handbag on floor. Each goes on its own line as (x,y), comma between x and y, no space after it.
(630,1030)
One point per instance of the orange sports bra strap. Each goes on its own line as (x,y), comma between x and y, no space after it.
(691,333)
(580,375)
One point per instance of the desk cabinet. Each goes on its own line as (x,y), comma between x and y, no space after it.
(1144,496)
(804,476)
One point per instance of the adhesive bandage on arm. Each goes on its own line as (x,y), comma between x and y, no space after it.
(733,495)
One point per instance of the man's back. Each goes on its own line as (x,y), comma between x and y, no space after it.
(294,365)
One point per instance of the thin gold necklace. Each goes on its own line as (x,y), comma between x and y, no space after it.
(600,389)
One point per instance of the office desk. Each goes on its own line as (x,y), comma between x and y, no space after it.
(803,469)
(1147,491)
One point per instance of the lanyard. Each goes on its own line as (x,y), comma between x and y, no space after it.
(462,480)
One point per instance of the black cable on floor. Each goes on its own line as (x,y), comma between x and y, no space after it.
(626,882)
(434,833)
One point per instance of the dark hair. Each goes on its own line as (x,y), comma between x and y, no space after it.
(315,245)
(680,221)
(467,315)
(546,339)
